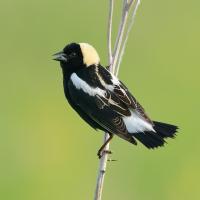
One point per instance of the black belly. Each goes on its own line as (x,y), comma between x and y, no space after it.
(81,113)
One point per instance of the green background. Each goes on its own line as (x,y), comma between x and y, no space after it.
(47,152)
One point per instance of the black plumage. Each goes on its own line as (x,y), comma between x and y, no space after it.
(104,102)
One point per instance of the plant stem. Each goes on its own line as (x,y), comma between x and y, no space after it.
(101,172)
(137,3)
(104,158)
(120,34)
(109,34)
(114,60)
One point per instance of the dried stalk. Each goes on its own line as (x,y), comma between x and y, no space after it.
(104,158)
(109,34)
(137,3)
(120,35)
(114,64)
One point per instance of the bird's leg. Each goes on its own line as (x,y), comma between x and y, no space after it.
(101,150)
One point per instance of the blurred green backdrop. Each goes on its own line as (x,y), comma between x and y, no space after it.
(47,152)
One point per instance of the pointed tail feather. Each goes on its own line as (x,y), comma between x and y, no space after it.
(165,130)
(155,139)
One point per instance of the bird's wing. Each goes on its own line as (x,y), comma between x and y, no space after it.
(100,105)
(121,92)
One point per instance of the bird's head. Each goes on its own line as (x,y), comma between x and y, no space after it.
(77,55)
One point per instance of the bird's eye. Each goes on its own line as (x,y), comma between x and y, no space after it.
(73,54)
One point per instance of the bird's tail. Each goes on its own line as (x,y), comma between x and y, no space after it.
(155,139)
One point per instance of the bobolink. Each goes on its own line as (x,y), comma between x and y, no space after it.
(104,102)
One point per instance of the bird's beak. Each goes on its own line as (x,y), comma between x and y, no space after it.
(60,56)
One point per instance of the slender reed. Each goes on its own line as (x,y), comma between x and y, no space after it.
(114,59)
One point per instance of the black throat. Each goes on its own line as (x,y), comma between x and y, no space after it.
(68,71)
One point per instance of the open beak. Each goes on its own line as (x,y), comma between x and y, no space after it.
(60,56)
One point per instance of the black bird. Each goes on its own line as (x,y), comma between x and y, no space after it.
(104,102)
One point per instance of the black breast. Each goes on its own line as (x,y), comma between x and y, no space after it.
(82,114)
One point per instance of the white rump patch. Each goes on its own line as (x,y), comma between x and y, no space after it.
(90,55)
(81,84)
(135,123)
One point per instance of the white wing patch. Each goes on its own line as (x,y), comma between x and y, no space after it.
(81,84)
(135,123)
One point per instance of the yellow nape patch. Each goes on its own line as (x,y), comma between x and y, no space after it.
(90,55)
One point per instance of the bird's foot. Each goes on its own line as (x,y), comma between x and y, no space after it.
(101,153)
(111,160)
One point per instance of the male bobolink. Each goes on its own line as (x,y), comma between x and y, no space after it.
(104,102)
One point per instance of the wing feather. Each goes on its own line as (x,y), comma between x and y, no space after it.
(107,102)
(121,92)
(106,111)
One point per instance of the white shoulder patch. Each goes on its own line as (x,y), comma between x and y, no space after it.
(81,84)
(90,55)
(136,124)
